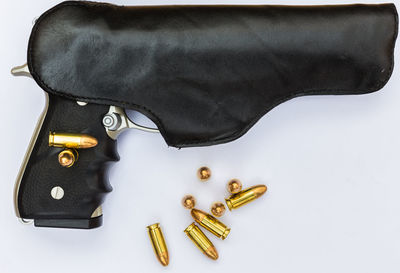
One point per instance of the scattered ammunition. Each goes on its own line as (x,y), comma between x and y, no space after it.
(218,209)
(158,242)
(234,185)
(210,223)
(204,173)
(67,157)
(241,198)
(201,241)
(75,141)
(188,201)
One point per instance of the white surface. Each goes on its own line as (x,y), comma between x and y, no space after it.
(331,164)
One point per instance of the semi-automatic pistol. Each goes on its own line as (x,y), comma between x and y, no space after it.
(203,74)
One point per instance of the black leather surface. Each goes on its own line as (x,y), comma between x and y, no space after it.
(206,74)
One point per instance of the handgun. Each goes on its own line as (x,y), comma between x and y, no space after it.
(203,74)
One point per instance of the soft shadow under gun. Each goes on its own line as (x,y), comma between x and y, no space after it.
(203,74)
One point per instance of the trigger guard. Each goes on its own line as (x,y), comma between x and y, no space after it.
(116,121)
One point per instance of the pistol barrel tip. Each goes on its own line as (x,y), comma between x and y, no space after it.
(22,70)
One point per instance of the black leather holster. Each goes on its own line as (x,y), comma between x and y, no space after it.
(205,74)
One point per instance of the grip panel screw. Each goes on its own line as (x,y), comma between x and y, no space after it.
(57,193)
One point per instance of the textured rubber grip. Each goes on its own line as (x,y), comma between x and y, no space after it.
(84,184)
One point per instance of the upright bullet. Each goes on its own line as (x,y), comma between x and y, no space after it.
(241,198)
(234,185)
(67,157)
(201,241)
(210,223)
(158,242)
(68,140)
(188,201)
(204,173)
(218,209)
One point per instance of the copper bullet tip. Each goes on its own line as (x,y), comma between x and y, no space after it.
(259,190)
(188,201)
(212,253)
(198,215)
(88,141)
(67,157)
(204,173)
(164,259)
(234,185)
(218,209)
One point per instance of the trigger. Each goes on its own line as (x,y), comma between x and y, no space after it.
(116,121)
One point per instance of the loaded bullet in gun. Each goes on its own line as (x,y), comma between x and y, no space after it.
(210,223)
(158,243)
(201,241)
(246,196)
(68,140)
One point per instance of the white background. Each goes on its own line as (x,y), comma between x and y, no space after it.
(331,164)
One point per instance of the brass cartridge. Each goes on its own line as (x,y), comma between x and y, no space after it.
(68,140)
(201,241)
(158,242)
(243,197)
(210,223)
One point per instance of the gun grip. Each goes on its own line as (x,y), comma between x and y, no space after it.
(84,185)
